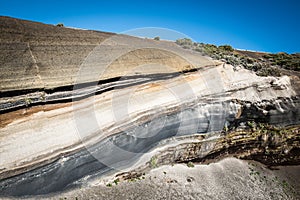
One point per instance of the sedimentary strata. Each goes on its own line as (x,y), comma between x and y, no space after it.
(64,118)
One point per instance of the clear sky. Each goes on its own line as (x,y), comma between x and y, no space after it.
(262,25)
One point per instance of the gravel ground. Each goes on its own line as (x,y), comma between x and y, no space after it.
(230,178)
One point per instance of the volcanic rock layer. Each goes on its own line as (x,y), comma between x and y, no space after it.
(77,104)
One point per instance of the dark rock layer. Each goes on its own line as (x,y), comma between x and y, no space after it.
(60,125)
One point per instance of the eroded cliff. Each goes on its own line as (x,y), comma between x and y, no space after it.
(76,103)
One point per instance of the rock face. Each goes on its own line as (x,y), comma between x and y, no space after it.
(78,103)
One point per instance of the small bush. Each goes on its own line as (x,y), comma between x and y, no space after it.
(226,48)
(109,185)
(184,41)
(28,101)
(157,38)
(190,164)
(116,181)
(60,25)
(153,162)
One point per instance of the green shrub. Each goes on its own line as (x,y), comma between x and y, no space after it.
(184,41)
(157,38)
(226,48)
(109,185)
(153,162)
(190,164)
(116,181)
(60,25)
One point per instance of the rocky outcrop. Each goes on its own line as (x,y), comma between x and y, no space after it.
(269,145)
(77,104)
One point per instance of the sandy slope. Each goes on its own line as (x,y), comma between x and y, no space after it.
(230,178)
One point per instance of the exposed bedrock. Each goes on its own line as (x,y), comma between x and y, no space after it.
(128,146)
(111,149)
(61,126)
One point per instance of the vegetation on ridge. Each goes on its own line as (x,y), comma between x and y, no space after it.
(263,64)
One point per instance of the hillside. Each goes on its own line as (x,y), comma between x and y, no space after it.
(81,108)
(264,64)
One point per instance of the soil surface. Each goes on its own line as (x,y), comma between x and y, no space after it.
(230,177)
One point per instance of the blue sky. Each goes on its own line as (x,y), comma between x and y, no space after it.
(262,25)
